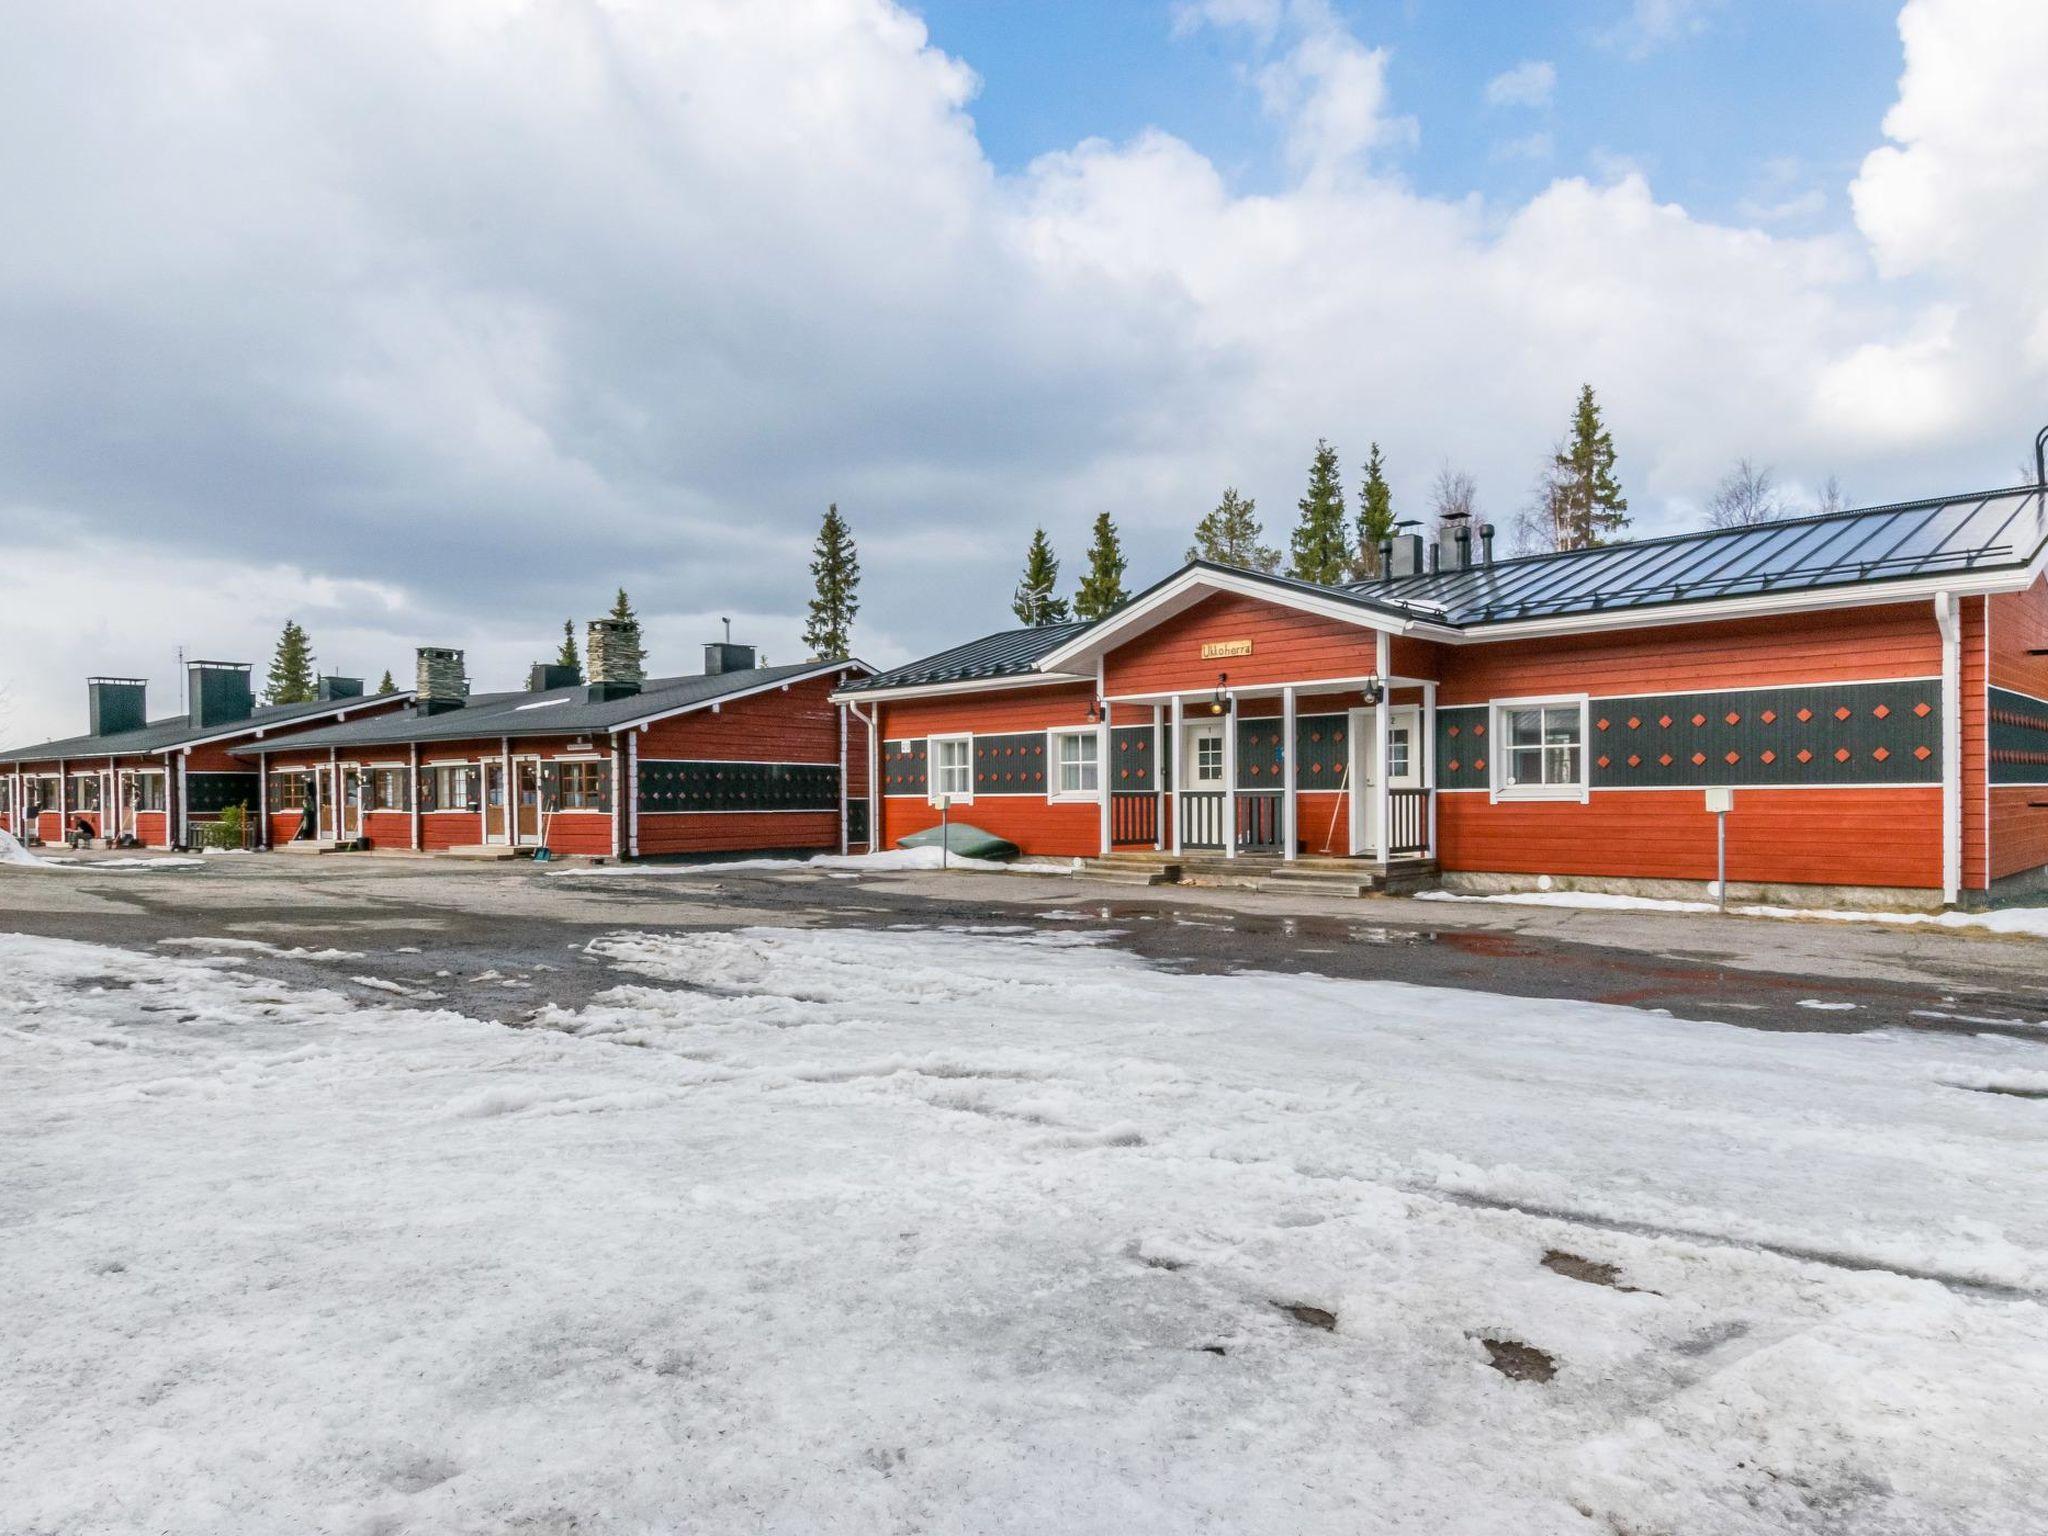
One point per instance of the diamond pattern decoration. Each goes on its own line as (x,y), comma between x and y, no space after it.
(1883,711)
(1604,761)
(1733,758)
(1881,754)
(1842,711)
(1769,757)
(1698,758)
(1665,760)
(1634,761)
(1805,756)
(1665,721)
(1733,718)
(1923,709)
(1923,753)
(1699,719)
(1635,722)
(1769,717)
(1841,754)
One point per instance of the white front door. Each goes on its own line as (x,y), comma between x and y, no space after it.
(1404,764)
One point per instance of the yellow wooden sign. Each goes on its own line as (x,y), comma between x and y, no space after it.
(1217,650)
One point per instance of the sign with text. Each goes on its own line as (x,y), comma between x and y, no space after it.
(1218,650)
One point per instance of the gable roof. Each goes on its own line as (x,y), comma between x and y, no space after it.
(553,711)
(178,731)
(1007,653)
(1948,536)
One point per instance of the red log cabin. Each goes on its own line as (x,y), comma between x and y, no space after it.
(741,758)
(1870,688)
(158,784)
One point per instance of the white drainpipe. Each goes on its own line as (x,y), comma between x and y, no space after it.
(1948,619)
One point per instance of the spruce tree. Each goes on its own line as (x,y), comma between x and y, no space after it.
(1589,505)
(291,669)
(1375,516)
(1322,550)
(622,609)
(835,571)
(1102,589)
(566,656)
(385,684)
(1034,603)
(1230,536)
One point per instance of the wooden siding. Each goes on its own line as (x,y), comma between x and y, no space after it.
(2016,815)
(386,829)
(1975,753)
(797,726)
(1850,645)
(739,832)
(1287,646)
(442,830)
(1869,837)
(1032,822)
(152,829)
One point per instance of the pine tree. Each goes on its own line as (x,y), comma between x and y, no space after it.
(1230,536)
(566,656)
(1322,551)
(1102,589)
(291,669)
(1589,505)
(1034,602)
(385,684)
(622,609)
(1375,516)
(835,569)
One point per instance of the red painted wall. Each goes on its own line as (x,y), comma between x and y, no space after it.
(1286,646)
(2016,832)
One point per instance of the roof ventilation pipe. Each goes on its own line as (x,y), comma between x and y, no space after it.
(1486,543)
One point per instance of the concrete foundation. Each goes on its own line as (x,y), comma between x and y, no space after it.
(1856,898)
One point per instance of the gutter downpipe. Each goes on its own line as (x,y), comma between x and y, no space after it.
(1949,620)
(874,768)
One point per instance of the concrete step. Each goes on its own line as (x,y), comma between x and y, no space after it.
(308,846)
(1112,875)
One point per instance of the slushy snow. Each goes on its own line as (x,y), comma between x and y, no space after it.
(961,1231)
(2025,922)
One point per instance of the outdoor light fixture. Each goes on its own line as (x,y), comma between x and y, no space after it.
(1219,703)
(1096,711)
(1372,693)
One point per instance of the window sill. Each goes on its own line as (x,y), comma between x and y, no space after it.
(1080,797)
(954,801)
(1569,794)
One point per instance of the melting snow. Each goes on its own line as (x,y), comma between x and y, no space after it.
(965,1231)
(2025,921)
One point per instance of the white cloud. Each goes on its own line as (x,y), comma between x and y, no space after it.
(1529,84)
(1533,147)
(471,312)
(1653,24)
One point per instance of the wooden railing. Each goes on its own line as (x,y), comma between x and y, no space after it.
(1134,818)
(1407,821)
(1201,818)
(1258,821)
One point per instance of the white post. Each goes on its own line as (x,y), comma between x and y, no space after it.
(1428,748)
(1382,720)
(412,784)
(633,792)
(1287,804)
(184,804)
(1230,776)
(263,801)
(1102,745)
(1948,619)
(1158,779)
(1176,799)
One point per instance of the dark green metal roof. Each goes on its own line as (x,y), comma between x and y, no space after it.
(178,730)
(1008,653)
(1943,536)
(551,712)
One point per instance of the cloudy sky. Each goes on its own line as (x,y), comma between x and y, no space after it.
(433,321)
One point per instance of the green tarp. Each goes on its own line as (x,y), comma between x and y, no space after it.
(969,842)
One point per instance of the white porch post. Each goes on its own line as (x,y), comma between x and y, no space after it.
(412,785)
(1230,777)
(1428,748)
(1179,771)
(1102,744)
(1158,779)
(263,801)
(1287,806)
(63,801)
(1382,718)
(1948,621)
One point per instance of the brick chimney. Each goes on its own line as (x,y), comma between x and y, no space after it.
(611,651)
(441,683)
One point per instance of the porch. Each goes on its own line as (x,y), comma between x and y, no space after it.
(1339,771)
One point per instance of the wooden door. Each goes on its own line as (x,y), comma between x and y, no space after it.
(323,794)
(494,800)
(526,806)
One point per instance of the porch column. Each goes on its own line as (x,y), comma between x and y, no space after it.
(1427,746)
(1102,764)
(263,801)
(63,801)
(1230,776)
(334,781)
(1158,779)
(1287,806)
(412,788)
(1173,798)
(1382,718)
(177,838)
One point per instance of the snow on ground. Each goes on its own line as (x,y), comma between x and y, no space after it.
(972,1231)
(887,861)
(2031,922)
(12,853)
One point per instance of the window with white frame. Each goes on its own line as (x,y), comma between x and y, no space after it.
(147,793)
(952,767)
(85,792)
(451,787)
(1540,748)
(387,790)
(1076,772)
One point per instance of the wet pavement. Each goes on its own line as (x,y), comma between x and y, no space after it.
(500,941)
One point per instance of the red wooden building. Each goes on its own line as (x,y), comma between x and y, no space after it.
(152,782)
(741,758)
(1872,686)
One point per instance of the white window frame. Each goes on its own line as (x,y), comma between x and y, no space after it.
(462,768)
(1501,753)
(1055,787)
(935,791)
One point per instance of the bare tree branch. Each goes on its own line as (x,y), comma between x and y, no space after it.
(1746,496)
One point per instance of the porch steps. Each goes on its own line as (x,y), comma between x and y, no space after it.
(489,852)
(1310,876)
(305,846)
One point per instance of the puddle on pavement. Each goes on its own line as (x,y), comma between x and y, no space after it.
(1330,931)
